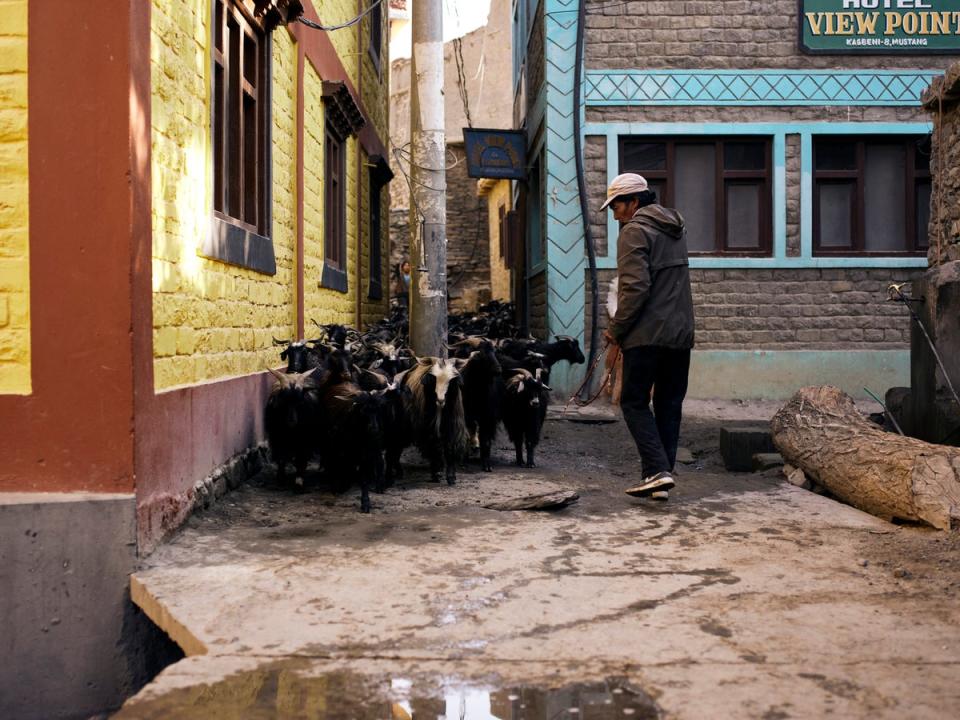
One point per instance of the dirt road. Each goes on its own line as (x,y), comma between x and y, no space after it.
(743,597)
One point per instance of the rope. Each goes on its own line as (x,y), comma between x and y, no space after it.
(575,399)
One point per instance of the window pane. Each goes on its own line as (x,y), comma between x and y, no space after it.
(640,157)
(923,215)
(743,216)
(695,194)
(922,154)
(836,218)
(250,173)
(234,146)
(744,156)
(884,194)
(218,131)
(836,155)
(658,187)
(250,59)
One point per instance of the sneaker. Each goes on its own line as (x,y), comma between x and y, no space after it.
(662,481)
(661,495)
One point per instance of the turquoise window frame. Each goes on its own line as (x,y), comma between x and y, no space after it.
(777,132)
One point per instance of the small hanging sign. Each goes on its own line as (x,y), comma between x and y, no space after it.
(500,154)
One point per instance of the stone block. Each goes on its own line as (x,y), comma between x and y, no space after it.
(765,461)
(739,445)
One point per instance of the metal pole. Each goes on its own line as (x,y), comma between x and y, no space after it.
(428,234)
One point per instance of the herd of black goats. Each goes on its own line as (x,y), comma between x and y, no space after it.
(358,399)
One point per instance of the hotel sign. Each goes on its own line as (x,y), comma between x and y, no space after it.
(892,27)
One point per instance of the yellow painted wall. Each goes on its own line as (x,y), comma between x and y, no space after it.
(14,202)
(499,194)
(211,320)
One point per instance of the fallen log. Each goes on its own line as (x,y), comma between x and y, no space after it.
(821,432)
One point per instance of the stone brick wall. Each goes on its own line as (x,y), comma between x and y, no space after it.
(595,172)
(14,202)
(211,320)
(536,61)
(942,101)
(468,257)
(537,305)
(712,34)
(791,309)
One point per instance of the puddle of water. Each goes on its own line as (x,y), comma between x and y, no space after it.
(288,690)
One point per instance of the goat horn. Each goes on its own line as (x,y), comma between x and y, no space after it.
(280,342)
(281,377)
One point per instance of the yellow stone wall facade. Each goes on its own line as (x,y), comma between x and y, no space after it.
(14,202)
(498,195)
(212,320)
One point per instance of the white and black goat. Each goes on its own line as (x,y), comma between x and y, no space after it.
(435,411)
(482,391)
(290,418)
(525,403)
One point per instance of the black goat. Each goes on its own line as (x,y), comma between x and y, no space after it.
(299,355)
(482,391)
(290,418)
(563,348)
(525,403)
(435,411)
(351,437)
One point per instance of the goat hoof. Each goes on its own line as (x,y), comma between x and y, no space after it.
(435,478)
(365,508)
(488,468)
(531,465)
(451,481)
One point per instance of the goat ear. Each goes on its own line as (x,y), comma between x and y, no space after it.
(547,388)
(283,355)
(520,386)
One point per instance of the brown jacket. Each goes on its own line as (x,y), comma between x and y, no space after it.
(654,302)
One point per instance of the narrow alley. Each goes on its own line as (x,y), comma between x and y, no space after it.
(743,594)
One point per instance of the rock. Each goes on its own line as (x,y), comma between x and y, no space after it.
(685,456)
(795,476)
(544,501)
(739,445)
(766,461)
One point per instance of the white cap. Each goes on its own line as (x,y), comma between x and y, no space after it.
(626,184)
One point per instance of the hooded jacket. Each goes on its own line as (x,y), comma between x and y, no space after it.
(654,302)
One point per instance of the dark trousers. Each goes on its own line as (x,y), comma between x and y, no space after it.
(664,370)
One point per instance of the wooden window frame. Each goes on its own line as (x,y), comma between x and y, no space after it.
(240,130)
(913,177)
(334,274)
(722,179)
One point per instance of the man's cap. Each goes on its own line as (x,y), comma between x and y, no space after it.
(626,184)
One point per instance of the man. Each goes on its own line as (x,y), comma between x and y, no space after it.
(653,326)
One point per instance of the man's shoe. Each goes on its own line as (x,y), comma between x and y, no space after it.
(661,495)
(662,481)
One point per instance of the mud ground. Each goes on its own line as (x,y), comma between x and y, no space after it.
(742,597)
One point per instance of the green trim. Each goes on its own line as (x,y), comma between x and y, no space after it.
(779,132)
(777,88)
(777,374)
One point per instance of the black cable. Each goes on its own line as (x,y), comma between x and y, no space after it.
(328,28)
(582,188)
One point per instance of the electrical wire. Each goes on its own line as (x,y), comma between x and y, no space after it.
(349,23)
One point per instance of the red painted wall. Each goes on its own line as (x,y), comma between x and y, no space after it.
(75,432)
